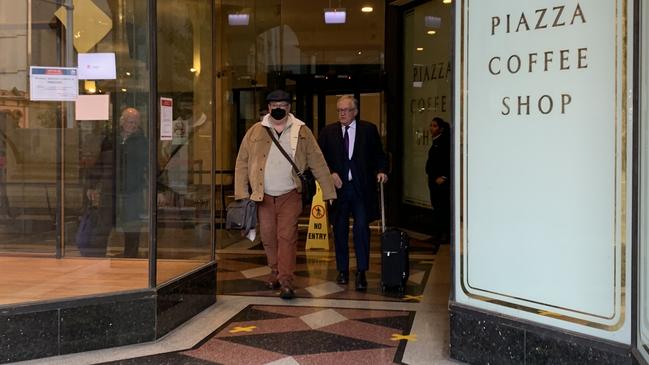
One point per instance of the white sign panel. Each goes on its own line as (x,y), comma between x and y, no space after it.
(166,121)
(96,66)
(544,150)
(92,107)
(53,83)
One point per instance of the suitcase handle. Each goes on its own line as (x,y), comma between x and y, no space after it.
(382,208)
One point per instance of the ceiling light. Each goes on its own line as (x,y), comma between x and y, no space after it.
(420,49)
(432,21)
(360,53)
(447,1)
(192,70)
(335,16)
(124,90)
(431,32)
(367,9)
(128,73)
(238,19)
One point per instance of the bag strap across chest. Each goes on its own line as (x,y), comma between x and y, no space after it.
(281,149)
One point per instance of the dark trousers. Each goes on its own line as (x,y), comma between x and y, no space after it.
(440,199)
(350,202)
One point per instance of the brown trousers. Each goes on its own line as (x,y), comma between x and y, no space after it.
(278,217)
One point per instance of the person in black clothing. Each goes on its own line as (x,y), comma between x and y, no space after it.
(357,162)
(438,169)
(117,185)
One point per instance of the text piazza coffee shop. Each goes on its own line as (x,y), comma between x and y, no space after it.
(551,163)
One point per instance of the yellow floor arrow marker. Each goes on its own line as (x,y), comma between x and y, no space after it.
(398,337)
(414,298)
(242,329)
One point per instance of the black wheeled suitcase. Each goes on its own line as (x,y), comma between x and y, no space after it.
(395,262)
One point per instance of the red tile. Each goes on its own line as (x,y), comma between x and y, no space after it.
(228,353)
(361,357)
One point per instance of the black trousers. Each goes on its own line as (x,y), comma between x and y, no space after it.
(440,199)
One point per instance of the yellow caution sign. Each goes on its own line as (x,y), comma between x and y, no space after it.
(318,234)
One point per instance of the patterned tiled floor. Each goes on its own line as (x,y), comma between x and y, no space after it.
(326,324)
(263,334)
(242,274)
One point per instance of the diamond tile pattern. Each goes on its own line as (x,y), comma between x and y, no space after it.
(323,318)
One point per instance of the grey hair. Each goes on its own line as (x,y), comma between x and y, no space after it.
(348,97)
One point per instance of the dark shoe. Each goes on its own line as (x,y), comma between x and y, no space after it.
(343,277)
(361,282)
(286,293)
(272,284)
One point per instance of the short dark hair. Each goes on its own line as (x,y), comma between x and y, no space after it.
(442,124)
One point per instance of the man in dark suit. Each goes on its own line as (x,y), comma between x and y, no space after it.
(357,162)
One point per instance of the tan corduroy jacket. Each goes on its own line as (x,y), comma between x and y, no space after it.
(251,161)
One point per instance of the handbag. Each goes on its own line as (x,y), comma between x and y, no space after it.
(86,232)
(306,177)
(241,214)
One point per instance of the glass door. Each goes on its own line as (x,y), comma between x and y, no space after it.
(643,236)
(426,84)
(185,178)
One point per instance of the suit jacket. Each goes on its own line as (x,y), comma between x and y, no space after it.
(368,159)
(439,159)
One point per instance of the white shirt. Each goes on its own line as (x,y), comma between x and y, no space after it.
(352,138)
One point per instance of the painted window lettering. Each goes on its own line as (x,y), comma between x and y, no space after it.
(544,18)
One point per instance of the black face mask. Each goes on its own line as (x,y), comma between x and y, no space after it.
(278,113)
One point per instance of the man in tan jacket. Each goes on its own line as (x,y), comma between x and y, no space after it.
(263,174)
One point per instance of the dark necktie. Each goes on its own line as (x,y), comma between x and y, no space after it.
(346,141)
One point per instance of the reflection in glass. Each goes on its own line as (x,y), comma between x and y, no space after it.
(115,189)
(73,188)
(428,30)
(184,237)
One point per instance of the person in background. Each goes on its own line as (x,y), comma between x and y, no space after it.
(117,184)
(356,159)
(263,174)
(438,169)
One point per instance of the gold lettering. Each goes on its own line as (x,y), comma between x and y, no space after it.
(579,13)
(581,52)
(495,22)
(550,104)
(565,100)
(522,20)
(532,61)
(507,110)
(564,59)
(540,19)
(556,19)
(526,104)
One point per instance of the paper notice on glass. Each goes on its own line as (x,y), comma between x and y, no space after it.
(166,123)
(92,107)
(96,66)
(53,83)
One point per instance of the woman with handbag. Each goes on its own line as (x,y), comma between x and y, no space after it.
(273,155)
